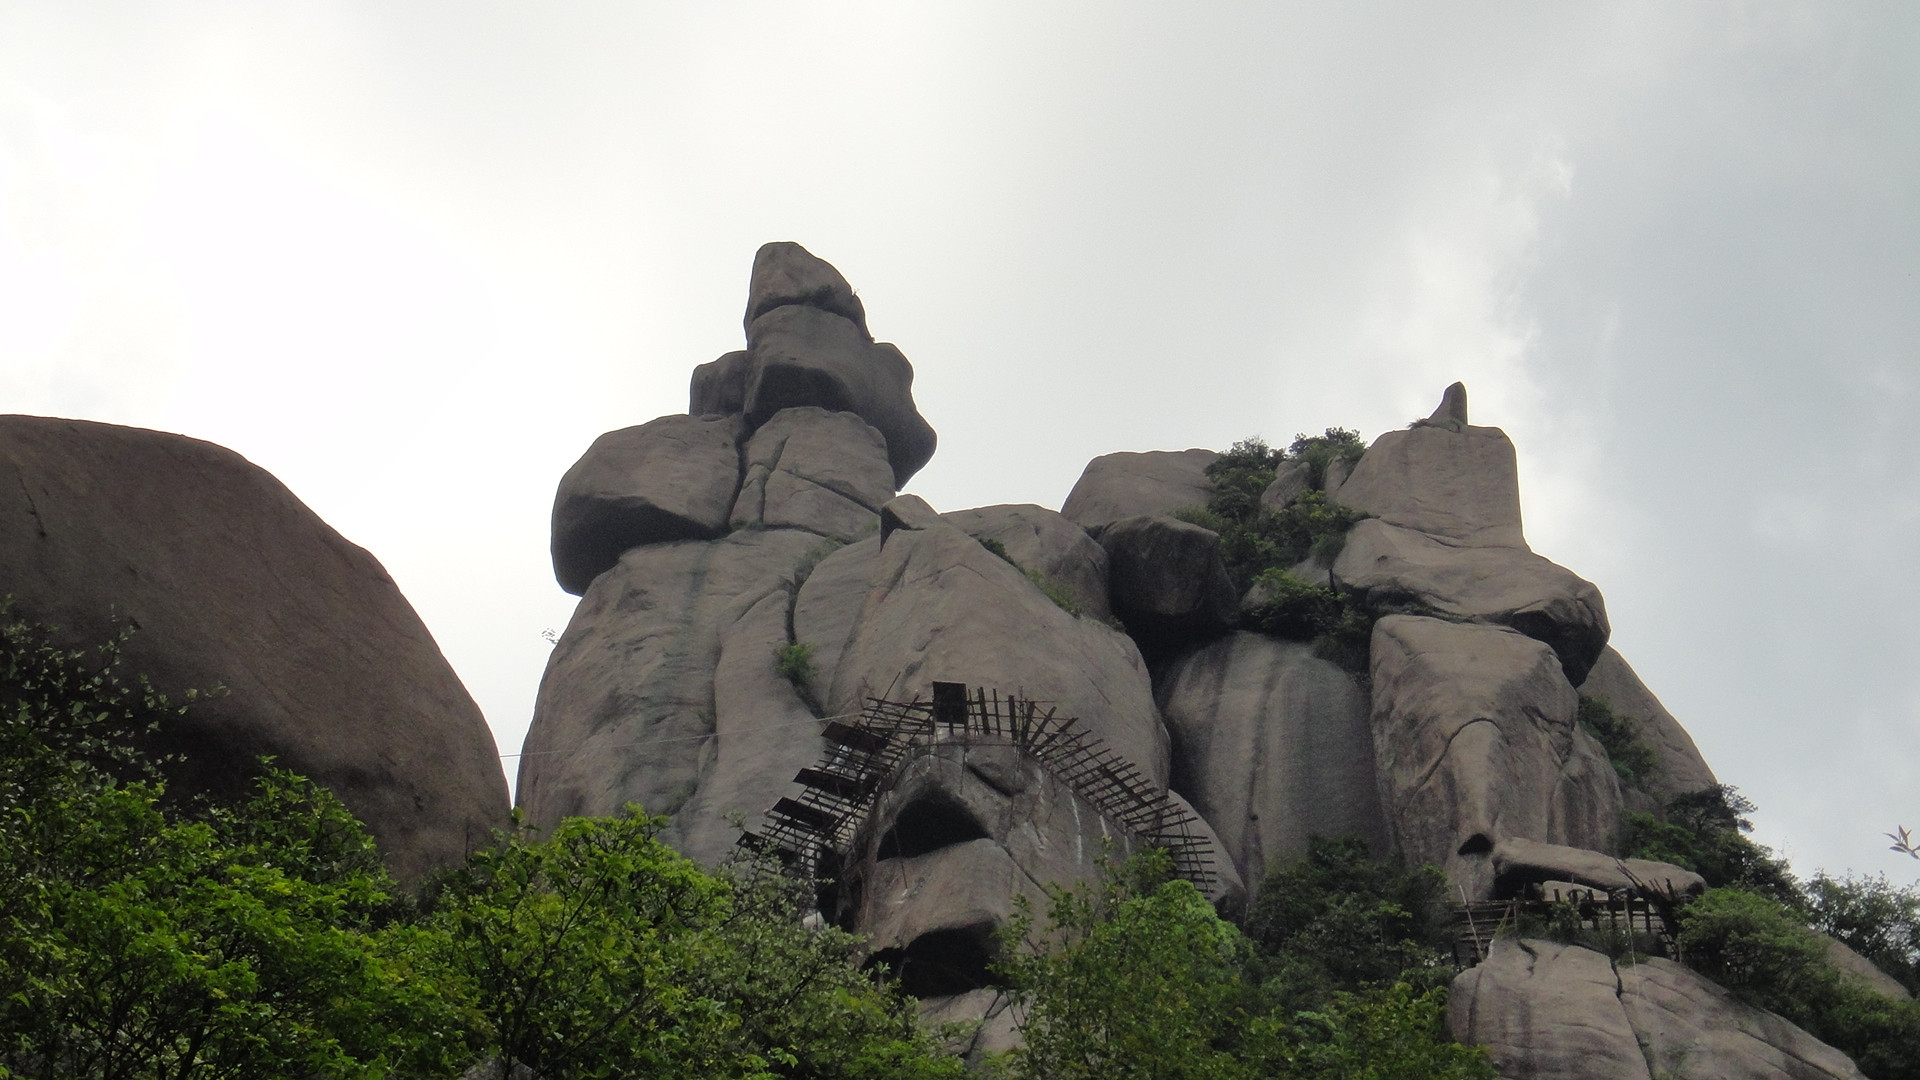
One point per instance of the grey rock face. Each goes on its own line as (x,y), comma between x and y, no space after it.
(942,607)
(1546,1011)
(1517,862)
(802,356)
(807,468)
(1291,479)
(1504,585)
(1047,544)
(763,734)
(720,386)
(626,710)
(786,273)
(671,479)
(1475,739)
(1862,971)
(1166,579)
(1272,746)
(1116,486)
(829,603)
(233,581)
(1462,485)
(1681,768)
(1452,411)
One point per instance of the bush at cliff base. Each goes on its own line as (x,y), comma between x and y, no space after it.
(147,936)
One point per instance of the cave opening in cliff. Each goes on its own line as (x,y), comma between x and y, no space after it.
(942,962)
(929,823)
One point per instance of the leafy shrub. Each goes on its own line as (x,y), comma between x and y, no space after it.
(1292,608)
(1321,451)
(1873,918)
(1340,919)
(1395,1032)
(1139,978)
(602,952)
(996,547)
(1705,831)
(147,938)
(1619,736)
(794,663)
(1763,951)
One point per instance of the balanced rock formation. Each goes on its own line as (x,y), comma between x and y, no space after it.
(671,479)
(232,582)
(772,640)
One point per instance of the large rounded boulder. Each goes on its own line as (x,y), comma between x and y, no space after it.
(233,582)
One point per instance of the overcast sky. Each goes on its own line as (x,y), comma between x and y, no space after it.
(413,258)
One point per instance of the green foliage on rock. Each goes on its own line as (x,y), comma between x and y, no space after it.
(1140,978)
(794,663)
(602,952)
(1619,736)
(1763,951)
(1061,596)
(1706,832)
(148,937)
(1340,919)
(1260,544)
(1321,451)
(1873,918)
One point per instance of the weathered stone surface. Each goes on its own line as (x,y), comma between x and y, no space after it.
(1291,479)
(1476,742)
(1681,768)
(1546,1011)
(942,607)
(1463,485)
(763,734)
(1166,580)
(720,386)
(671,479)
(909,512)
(1045,543)
(1227,892)
(786,273)
(1337,472)
(805,356)
(232,581)
(1518,862)
(626,709)
(1452,410)
(1508,586)
(1128,484)
(1272,746)
(825,472)
(829,603)
(961,832)
(1856,968)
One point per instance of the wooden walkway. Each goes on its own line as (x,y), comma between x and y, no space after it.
(839,793)
(1645,924)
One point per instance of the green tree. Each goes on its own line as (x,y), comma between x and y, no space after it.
(602,952)
(1339,919)
(1138,977)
